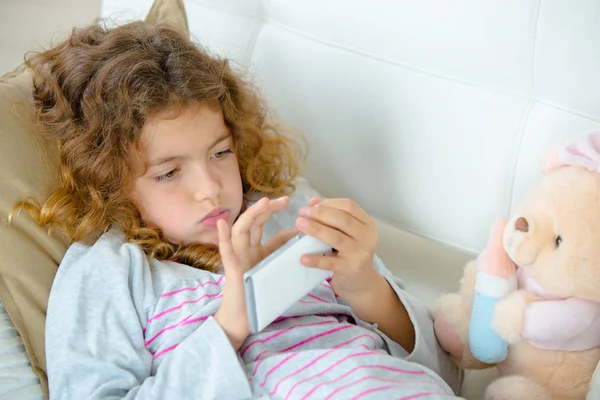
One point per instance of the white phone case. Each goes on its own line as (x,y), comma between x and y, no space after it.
(280,280)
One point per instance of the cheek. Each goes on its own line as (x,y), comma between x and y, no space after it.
(516,244)
(160,208)
(526,248)
(232,176)
(170,202)
(556,272)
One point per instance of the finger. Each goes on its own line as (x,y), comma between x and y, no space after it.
(241,228)
(274,206)
(328,262)
(228,256)
(342,221)
(256,233)
(246,219)
(328,235)
(314,201)
(350,207)
(280,239)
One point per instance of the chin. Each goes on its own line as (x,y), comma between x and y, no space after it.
(214,242)
(210,238)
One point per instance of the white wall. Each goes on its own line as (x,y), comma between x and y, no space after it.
(30,24)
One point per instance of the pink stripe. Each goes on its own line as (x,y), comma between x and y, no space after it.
(310,339)
(168,328)
(168,349)
(313,362)
(312,296)
(156,355)
(414,396)
(279,319)
(283,318)
(199,319)
(379,389)
(277,366)
(256,368)
(218,282)
(356,338)
(321,356)
(330,288)
(328,369)
(360,380)
(185,321)
(216,295)
(281,332)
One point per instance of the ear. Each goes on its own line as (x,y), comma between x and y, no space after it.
(583,151)
(553,163)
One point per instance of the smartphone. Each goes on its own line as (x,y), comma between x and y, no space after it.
(280,280)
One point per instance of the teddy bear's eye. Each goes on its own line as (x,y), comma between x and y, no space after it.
(558,240)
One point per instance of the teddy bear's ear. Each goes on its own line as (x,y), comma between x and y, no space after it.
(584,152)
(553,162)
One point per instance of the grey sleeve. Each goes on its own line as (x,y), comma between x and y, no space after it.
(94,336)
(427,351)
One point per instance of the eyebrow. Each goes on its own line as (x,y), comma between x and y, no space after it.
(163,160)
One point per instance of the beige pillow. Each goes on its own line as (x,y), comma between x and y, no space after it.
(29,257)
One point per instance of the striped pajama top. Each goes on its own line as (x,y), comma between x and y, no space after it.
(121,326)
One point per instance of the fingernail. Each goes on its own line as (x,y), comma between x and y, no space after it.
(306,260)
(303,211)
(303,222)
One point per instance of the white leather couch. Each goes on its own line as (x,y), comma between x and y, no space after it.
(436,116)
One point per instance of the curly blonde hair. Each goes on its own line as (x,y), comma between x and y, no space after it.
(95,91)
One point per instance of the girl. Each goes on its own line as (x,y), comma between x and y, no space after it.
(168,192)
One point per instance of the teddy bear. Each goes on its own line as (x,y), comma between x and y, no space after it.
(542,266)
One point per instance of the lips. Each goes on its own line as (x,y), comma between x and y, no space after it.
(210,219)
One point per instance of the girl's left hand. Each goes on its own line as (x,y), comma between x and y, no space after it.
(343,225)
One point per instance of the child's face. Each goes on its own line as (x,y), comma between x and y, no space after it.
(193,178)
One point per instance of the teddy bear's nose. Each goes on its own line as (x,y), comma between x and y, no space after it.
(522,225)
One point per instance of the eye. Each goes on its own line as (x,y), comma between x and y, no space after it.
(558,240)
(222,154)
(168,176)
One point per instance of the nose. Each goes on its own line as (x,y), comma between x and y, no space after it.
(206,185)
(522,225)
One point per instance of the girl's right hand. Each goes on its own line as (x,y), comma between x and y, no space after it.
(240,250)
